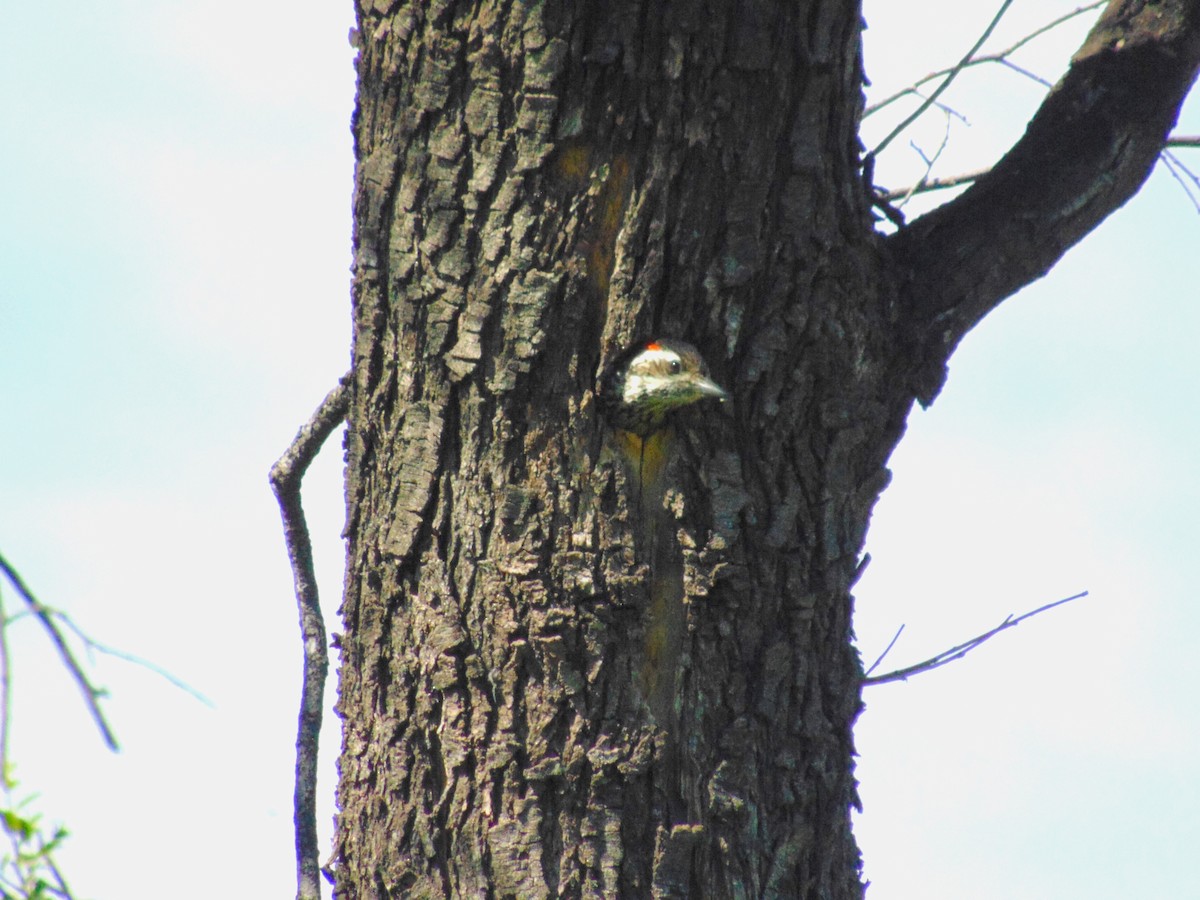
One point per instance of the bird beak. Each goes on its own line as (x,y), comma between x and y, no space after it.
(706,387)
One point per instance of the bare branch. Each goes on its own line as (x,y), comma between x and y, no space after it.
(1001,57)
(286,476)
(961,650)
(5,698)
(45,615)
(1090,146)
(1183,169)
(925,186)
(886,650)
(1182,174)
(950,76)
(94,645)
(930,162)
(1021,70)
(62,890)
(934,184)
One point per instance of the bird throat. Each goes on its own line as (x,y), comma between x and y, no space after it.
(647,457)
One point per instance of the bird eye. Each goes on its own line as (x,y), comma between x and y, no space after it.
(675,366)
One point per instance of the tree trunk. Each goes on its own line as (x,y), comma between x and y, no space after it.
(539,185)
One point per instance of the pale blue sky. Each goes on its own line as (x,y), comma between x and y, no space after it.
(174,252)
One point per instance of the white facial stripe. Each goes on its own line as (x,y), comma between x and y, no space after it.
(658,355)
(635,386)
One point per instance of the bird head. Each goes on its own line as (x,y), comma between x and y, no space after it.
(651,380)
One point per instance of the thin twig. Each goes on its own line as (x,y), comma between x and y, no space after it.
(91,694)
(950,112)
(886,650)
(1021,70)
(94,645)
(1182,167)
(958,652)
(1178,171)
(1181,171)
(14,840)
(934,184)
(884,199)
(5,699)
(950,76)
(286,476)
(930,162)
(62,890)
(43,855)
(998,57)
(953,181)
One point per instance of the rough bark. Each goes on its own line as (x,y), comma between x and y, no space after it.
(538,184)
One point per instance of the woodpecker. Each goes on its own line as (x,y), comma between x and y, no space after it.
(651,380)
(645,385)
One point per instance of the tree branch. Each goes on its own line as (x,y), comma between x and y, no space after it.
(5,698)
(934,184)
(1088,149)
(1001,57)
(926,185)
(286,476)
(959,651)
(1184,177)
(94,645)
(930,162)
(45,615)
(886,650)
(950,76)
